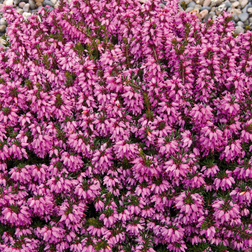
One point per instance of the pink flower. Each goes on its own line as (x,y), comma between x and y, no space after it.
(72,215)
(147,212)
(210,233)
(72,162)
(134,229)
(232,151)
(176,172)
(116,116)
(76,247)
(108,221)
(99,205)
(123,149)
(20,216)
(195,240)
(242,197)
(186,139)
(190,207)
(178,246)
(229,106)
(196,182)
(102,159)
(143,191)
(224,183)
(20,174)
(51,235)
(210,171)
(201,114)
(225,211)
(94,231)
(78,143)
(246,135)
(38,173)
(210,138)
(123,216)
(159,189)
(170,148)
(41,205)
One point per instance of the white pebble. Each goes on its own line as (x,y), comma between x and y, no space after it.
(243,3)
(9,2)
(26,7)
(206,2)
(26,15)
(235,4)
(203,13)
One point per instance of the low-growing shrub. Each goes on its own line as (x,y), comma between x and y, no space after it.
(125,128)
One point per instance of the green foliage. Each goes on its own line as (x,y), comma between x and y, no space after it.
(183,5)
(6,42)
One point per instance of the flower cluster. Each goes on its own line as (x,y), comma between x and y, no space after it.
(124,127)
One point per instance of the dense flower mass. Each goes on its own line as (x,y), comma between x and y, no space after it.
(125,127)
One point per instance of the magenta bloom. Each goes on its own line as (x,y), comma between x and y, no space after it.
(125,125)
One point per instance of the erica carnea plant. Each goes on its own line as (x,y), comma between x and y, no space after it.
(125,128)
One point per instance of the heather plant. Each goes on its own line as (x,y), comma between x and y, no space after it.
(125,128)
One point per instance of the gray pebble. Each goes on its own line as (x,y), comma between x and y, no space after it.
(16,2)
(2,28)
(34,11)
(240,23)
(39,8)
(47,2)
(246,22)
(208,16)
(20,11)
(243,17)
(51,9)
(246,7)
(205,8)
(216,3)
(235,18)
(228,4)
(192,4)
(238,29)
(189,9)
(212,13)
(26,7)
(197,7)
(32,4)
